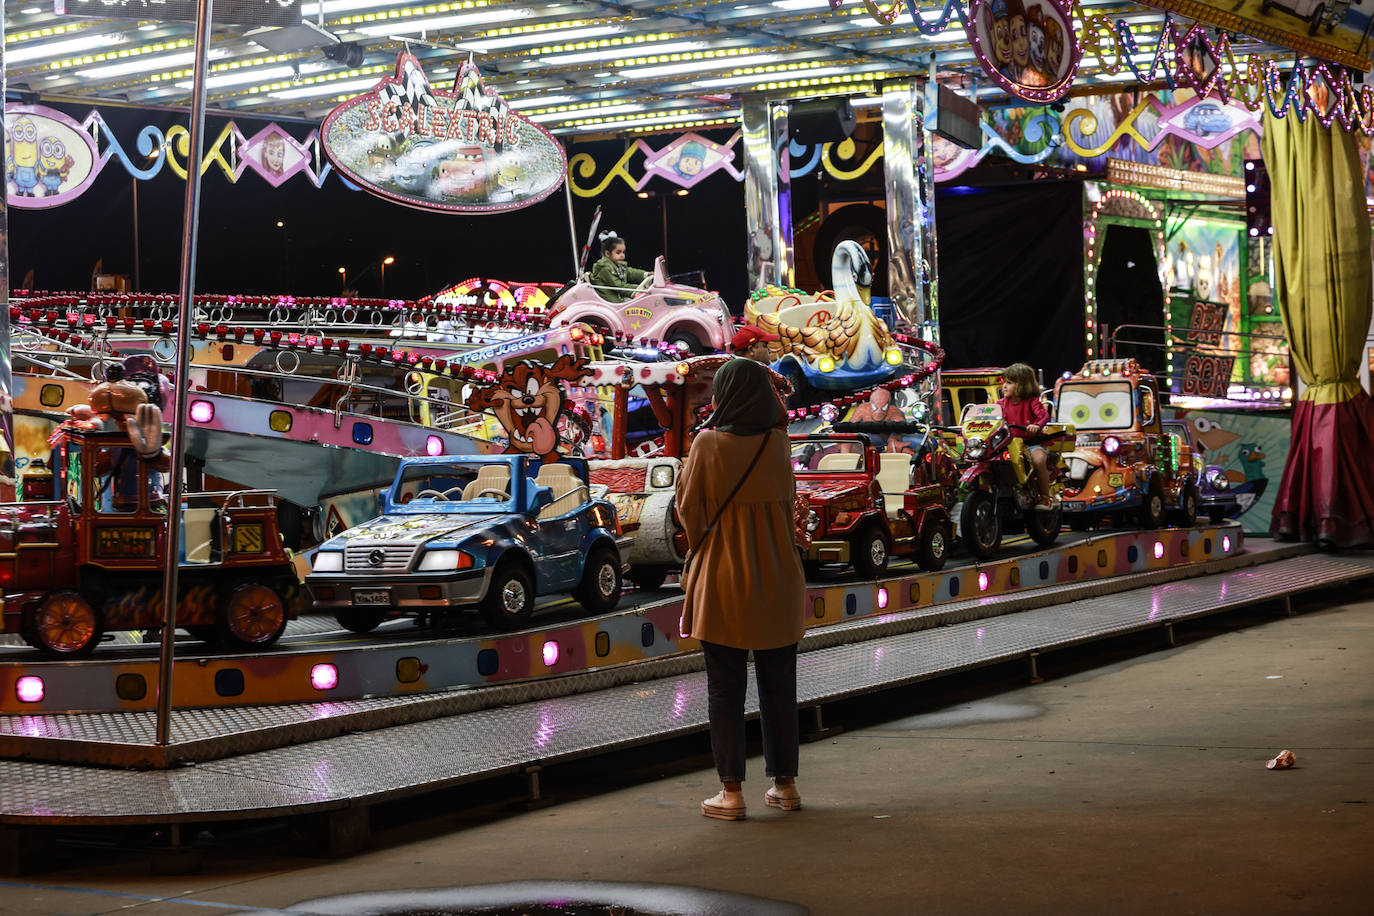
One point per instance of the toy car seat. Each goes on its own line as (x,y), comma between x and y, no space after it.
(568,490)
(489,477)
(894,476)
(839,461)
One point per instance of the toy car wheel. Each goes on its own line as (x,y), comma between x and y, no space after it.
(509,603)
(689,340)
(869,552)
(1152,508)
(601,585)
(1187,507)
(933,550)
(65,625)
(980,527)
(359,620)
(1043,527)
(205,632)
(253,615)
(648,576)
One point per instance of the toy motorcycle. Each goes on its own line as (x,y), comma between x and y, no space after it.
(997,479)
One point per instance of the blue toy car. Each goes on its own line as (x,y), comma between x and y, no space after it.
(491,532)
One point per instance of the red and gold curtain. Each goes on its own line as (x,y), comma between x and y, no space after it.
(1322,273)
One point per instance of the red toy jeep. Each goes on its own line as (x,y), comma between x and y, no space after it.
(84,554)
(857,506)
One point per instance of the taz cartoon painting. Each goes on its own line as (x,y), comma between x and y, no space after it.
(527,400)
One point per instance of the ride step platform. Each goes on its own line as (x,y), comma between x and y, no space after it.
(345,774)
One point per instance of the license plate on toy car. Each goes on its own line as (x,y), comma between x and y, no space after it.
(371,596)
(1072,507)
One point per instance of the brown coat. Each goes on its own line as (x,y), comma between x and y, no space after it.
(744,587)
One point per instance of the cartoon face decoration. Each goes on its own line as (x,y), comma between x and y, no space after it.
(1020,42)
(274,154)
(52,154)
(1035,33)
(1001,33)
(25,136)
(527,400)
(1096,405)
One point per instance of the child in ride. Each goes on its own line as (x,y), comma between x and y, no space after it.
(615,280)
(1022,407)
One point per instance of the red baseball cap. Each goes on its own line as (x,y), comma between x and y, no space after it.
(747,336)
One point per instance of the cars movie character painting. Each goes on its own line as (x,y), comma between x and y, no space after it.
(527,399)
(1123,461)
(486,532)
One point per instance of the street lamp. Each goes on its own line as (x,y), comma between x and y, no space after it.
(385,261)
(343,279)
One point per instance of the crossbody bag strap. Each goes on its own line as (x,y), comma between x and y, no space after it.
(747,471)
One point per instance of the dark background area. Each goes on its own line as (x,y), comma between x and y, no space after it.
(1010,255)
(243,251)
(1011,275)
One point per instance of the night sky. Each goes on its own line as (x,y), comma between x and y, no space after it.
(243,251)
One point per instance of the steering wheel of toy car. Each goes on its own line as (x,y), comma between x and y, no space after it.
(435,494)
(498,492)
(646,284)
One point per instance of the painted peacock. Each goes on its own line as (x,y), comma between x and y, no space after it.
(853,336)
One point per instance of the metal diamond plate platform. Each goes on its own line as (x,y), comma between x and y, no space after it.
(355,770)
(126,738)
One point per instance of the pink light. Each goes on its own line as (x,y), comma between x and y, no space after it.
(202,411)
(1226,544)
(982,582)
(324,677)
(550,653)
(1159,549)
(882,598)
(434,446)
(29,689)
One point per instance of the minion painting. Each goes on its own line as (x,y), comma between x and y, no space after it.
(53,164)
(25,137)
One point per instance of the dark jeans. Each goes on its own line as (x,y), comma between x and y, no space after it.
(775,672)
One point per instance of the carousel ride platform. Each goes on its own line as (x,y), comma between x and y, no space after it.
(408,716)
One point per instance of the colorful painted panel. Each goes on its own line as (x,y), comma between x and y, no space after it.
(49,159)
(1248,447)
(462,150)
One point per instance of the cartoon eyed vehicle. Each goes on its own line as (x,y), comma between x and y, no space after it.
(998,479)
(1316,13)
(660,311)
(856,506)
(82,555)
(488,532)
(1216,497)
(1207,118)
(1122,461)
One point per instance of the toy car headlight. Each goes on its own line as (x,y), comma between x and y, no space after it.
(893,356)
(436,560)
(813,520)
(975,451)
(1111,445)
(1219,481)
(328,561)
(662,476)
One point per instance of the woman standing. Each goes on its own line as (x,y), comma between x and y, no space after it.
(744,585)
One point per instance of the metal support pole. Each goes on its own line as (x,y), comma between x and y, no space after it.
(767,203)
(7,471)
(572,227)
(189,225)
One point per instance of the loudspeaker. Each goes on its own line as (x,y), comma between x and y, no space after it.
(959,120)
(820,121)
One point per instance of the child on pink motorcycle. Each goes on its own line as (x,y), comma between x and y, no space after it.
(1022,407)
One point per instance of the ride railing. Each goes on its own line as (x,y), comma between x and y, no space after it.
(1204,367)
